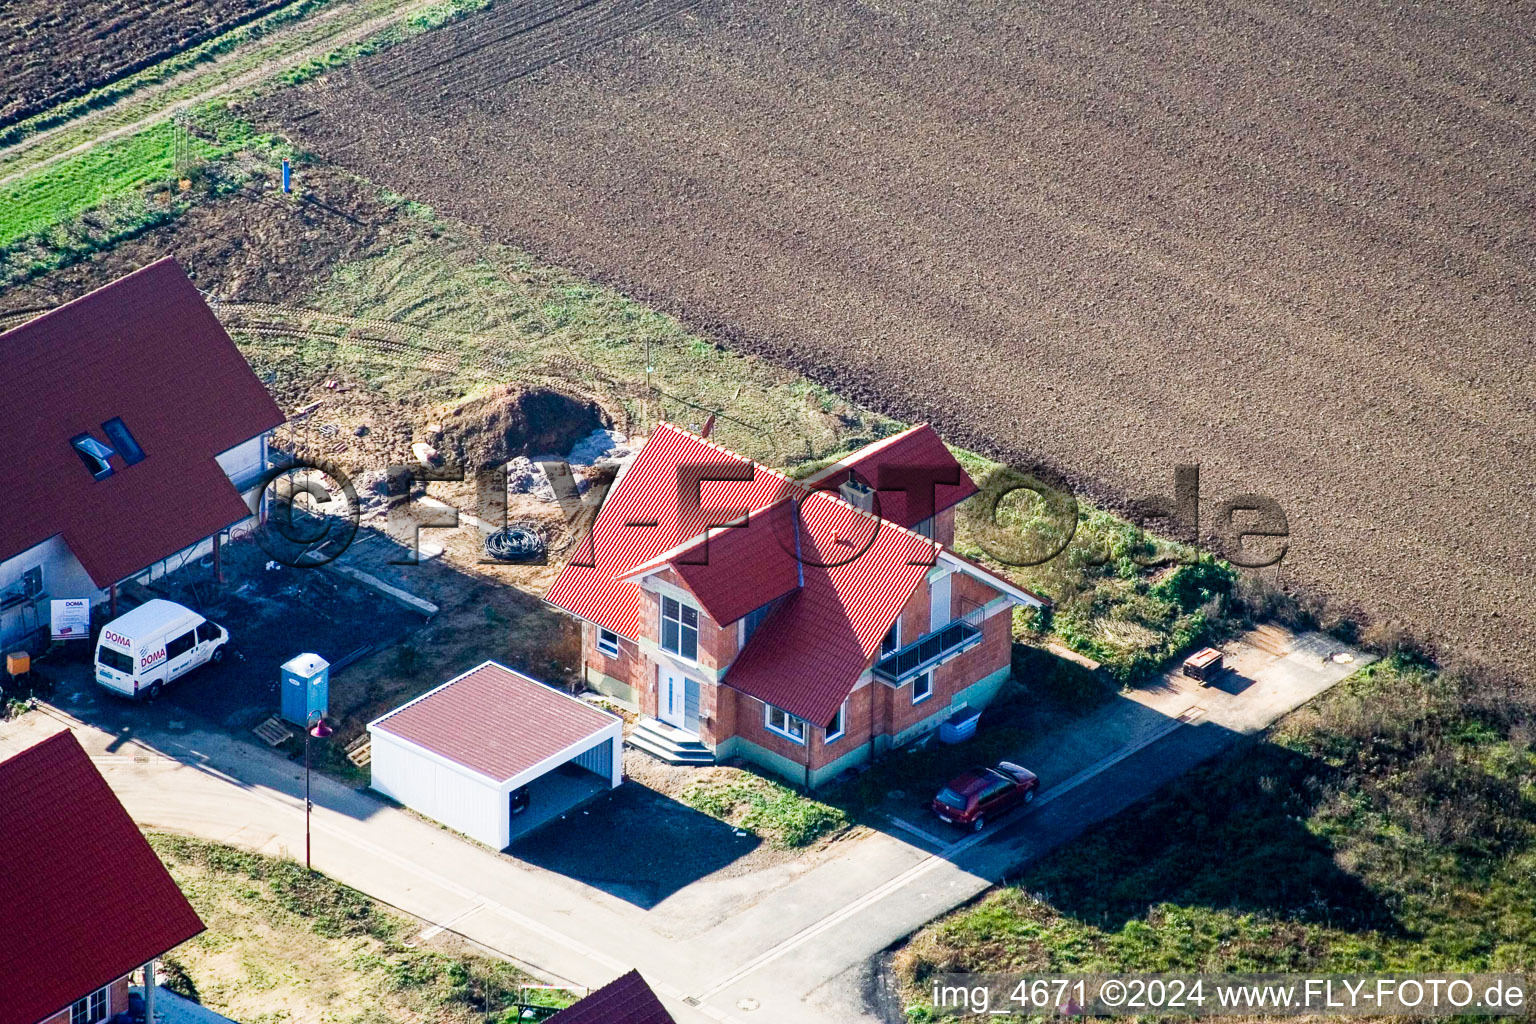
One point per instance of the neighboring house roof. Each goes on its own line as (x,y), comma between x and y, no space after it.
(913,474)
(86,899)
(495,721)
(646,514)
(147,350)
(844,574)
(625,1000)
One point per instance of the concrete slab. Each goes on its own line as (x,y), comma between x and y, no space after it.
(558,794)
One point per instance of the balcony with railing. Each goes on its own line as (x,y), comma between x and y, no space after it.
(928,650)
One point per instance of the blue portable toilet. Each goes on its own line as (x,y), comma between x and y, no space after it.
(306,688)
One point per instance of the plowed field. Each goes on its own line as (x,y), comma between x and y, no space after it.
(1290,242)
(52,50)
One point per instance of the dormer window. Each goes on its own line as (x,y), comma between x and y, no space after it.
(94,455)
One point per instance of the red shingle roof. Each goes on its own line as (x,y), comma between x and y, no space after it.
(742,567)
(495,721)
(625,1000)
(145,349)
(913,473)
(645,515)
(808,654)
(853,574)
(86,899)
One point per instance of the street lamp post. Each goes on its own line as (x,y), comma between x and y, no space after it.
(319,730)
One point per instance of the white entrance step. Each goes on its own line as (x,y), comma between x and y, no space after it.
(669,743)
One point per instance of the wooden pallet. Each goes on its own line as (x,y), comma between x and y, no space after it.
(360,751)
(274,731)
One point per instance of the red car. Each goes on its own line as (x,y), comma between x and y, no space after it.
(971,798)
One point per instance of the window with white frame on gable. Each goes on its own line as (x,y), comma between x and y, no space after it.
(91,1009)
(679,628)
(834,729)
(608,642)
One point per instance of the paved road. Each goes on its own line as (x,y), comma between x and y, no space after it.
(792,955)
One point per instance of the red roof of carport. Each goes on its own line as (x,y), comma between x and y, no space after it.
(148,350)
(495,721)
(86,899)
(625,1000)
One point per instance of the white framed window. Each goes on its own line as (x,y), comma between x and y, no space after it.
(679,628)
(90,1010)
(892,641)
(608,642)
(783,723)
(924,528)
(834,729)
(922,687)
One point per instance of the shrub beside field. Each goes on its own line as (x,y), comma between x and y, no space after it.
(1390,825)
(1123,597)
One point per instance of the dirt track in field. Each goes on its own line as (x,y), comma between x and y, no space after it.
(1290,243)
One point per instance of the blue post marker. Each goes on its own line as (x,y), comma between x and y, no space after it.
(287,177)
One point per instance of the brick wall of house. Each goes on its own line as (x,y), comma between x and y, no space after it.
(626,669)
(117,1001)
(894,709)
(944,527)
(749,725)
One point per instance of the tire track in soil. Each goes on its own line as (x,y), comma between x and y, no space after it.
(1290,244)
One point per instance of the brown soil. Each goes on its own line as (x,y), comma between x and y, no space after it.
(51,51)
(1287,242)
(488,430)
(252,246)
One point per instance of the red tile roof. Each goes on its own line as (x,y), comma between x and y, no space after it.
(145,349)
(853,573)
(645,515)
(808,654)
(913,473)
(742,567)
(495,721)
(625,1000)
(86,899)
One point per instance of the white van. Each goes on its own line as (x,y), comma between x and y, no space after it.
(142,652)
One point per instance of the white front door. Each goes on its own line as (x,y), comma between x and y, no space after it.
(671,698)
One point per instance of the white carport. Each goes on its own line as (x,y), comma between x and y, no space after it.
(470,751)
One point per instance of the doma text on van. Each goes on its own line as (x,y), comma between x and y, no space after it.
(140,653)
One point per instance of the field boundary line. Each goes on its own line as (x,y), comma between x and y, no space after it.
(262,72)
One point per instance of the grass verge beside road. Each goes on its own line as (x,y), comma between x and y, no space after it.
(1390,825)
(773,811)
(286,944)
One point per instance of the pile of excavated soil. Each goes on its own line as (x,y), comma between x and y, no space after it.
(1289,242)
(490,430)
